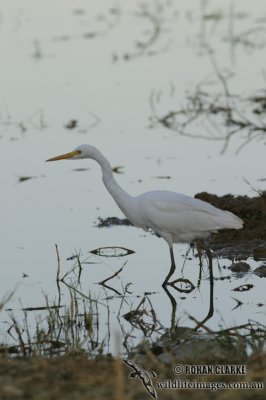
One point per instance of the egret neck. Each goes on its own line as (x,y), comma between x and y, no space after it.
(124,201)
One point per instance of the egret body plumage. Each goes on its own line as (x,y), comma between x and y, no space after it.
(173,216)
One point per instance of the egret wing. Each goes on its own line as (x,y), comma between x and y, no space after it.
(180,214)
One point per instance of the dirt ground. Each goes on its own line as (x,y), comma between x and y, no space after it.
(75,377)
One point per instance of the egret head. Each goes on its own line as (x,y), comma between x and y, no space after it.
(82,151)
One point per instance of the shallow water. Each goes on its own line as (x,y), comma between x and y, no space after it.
(81,61)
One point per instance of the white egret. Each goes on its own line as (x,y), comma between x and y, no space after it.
(173,216)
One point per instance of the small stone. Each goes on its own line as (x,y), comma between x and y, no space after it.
(240,267)
(261,271)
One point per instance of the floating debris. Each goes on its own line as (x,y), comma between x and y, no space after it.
(24,178)
(89,35)
(213,16)
(73,123)
(243,288)
(117,169)
(41,308)
(163,177)
(79,12)
(112,221)
(80,169)
(71,258)
(37,52)
(149,293)
(114,251)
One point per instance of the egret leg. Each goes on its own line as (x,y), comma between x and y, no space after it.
(172,269)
